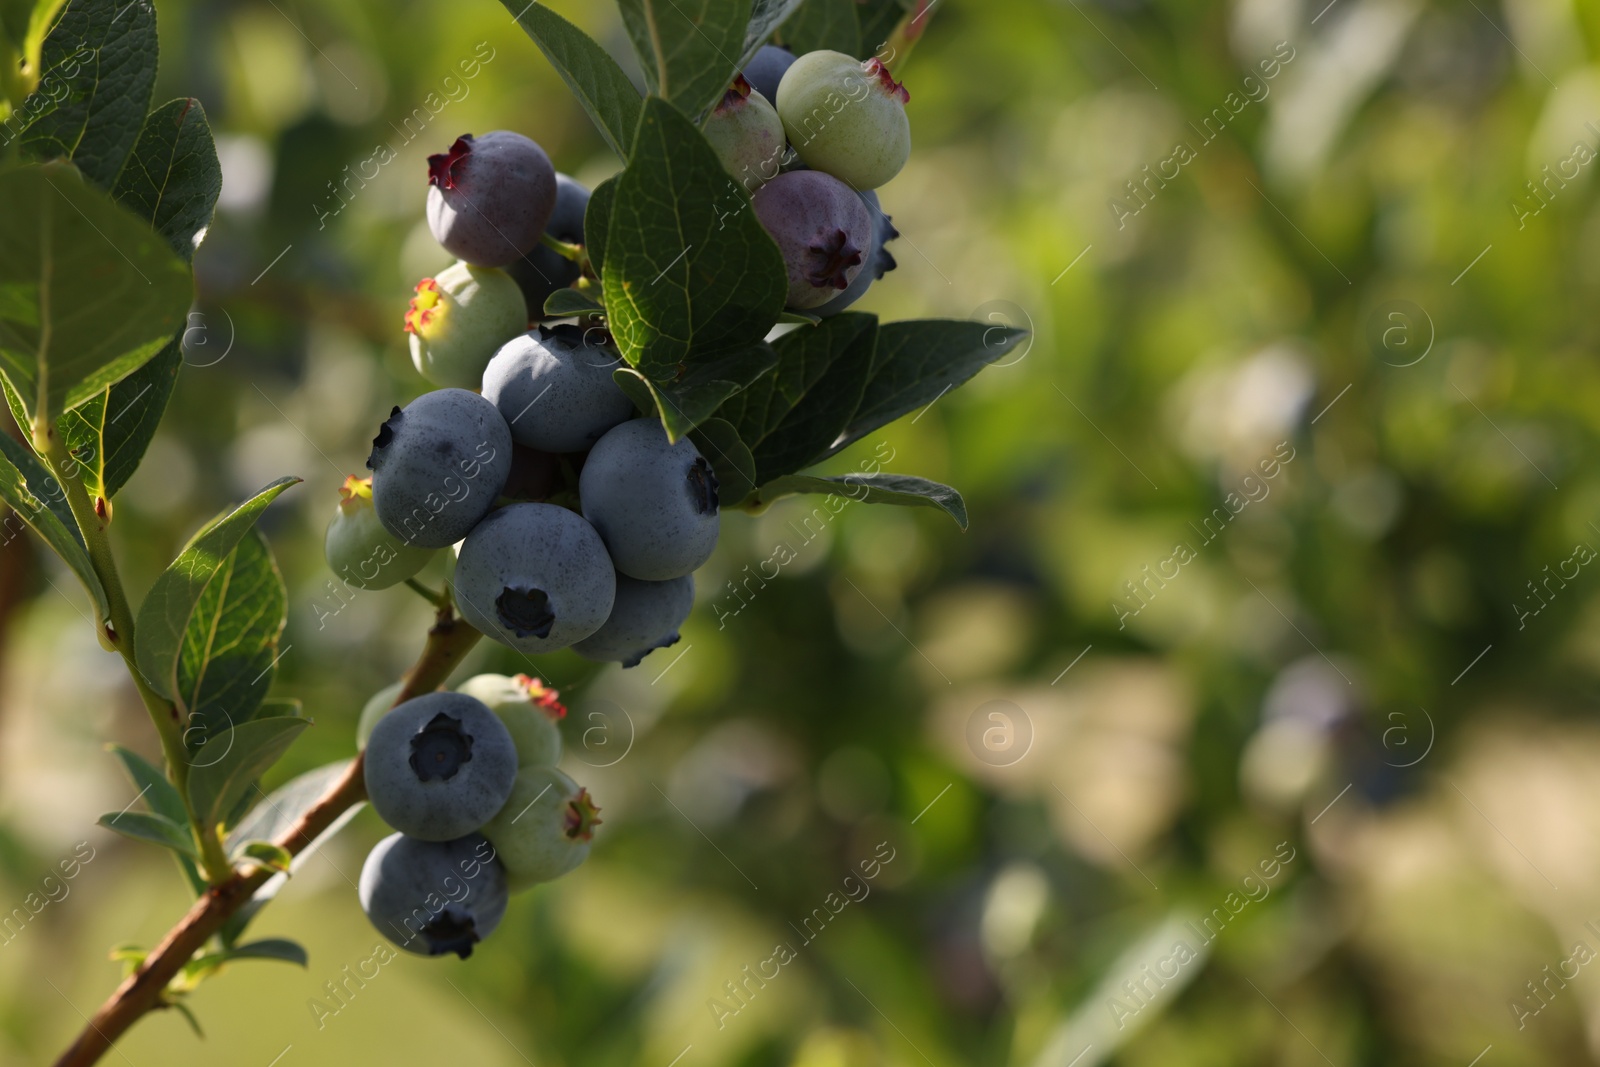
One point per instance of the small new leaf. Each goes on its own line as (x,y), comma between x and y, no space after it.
(265,854)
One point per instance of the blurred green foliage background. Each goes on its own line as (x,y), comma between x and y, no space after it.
(1150,672)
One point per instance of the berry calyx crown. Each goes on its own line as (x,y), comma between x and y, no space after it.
(736,95)
(355,493)
(829,259)
(426,307)
(582,816)
(874,68)
(441,165)
(542,696)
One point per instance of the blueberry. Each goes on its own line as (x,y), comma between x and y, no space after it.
(545,828)
(823,229)
(554,388)
(529,708)
(767,69)
(654,504)
(747,134)
(535,577)
(376,707)
(846,117)
(433,897)
(541,271)
(878,264)
(439,766)
(360,550)
(645,617)
(490,197)
(459,318)
(438,465)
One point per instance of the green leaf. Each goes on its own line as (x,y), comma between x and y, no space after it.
(273,817)
(689,49)
(164,616)
(173,177)
(730,459)
(273,857)
(597,222)
(229,763)
(163,798)
(791,418)
(157,829)
(689,400)
(270,948)
(877,19)
(692,281)
(765,18)
(918,362)
(88,292)
(900,489)
(230,645)
(819,24)
(593,76)
(98,67)
(188,1016)
(108,434)
(41,502)
(571,302)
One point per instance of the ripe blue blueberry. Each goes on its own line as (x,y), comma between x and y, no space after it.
(554,388)
(545,828)
(541,271)
(846,117)
(437,466)
(529,708)
(360,550)
(490,197)
(767,69)
(645,617)
(534,577)
(747,134)
(439,766)
(433,897)
(654,503)
(879,263)
(459,318)
(823,229)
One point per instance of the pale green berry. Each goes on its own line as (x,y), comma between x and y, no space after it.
(846,118)
(360,550)
(544,829)
(458,320)
(529,708)
(374,709)
(747,134)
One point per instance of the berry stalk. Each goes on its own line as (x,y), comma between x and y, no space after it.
(449,641)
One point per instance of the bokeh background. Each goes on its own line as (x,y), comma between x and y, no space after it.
(1350,722)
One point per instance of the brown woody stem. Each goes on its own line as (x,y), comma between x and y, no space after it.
(449,640)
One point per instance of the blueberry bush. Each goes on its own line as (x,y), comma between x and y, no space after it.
(617,367)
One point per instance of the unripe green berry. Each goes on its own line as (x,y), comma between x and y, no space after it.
(374,709)
(459,318)
(530,710)
(544,829)
(846,118)
(360,550)
(747,134)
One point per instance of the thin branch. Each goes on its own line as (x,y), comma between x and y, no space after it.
(449,640)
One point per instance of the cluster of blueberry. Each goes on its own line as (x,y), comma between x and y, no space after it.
(469,780)
(575,524)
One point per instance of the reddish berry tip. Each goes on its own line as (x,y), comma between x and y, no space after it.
(424,306)
(874,68)
(829,258)
(542,695)
(582,816)
(736,95)
(441,165)
(354,490)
